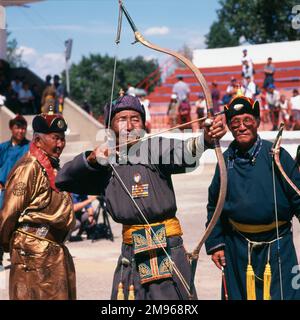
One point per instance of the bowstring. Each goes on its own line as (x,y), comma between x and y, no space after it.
(117,41)
(277,230)
(177,271)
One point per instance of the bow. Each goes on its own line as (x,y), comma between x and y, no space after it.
(275,151)
(276,156)
(223,172)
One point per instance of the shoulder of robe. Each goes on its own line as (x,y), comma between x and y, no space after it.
(26,165)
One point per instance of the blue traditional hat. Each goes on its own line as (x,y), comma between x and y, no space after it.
(240,105)
(125,102)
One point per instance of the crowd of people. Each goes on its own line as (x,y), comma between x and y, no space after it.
(275,106)
(25,99)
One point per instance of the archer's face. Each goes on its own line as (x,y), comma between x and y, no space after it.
(53,143)
(127,125)
(244,130)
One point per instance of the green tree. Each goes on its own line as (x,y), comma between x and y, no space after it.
(13,56)
(257,21)
(91,78)
(220,36)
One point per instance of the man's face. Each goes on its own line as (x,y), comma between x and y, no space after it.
(127,125)
(18,132)
(244,130)
(53,143)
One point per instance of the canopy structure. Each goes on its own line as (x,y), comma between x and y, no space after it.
(3,5)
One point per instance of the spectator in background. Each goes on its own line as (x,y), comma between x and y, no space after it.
(17,84)
(269,71)
(272,99)
(87,107)
(184,114)
(264,106)
(130,90)
(48,98)
(247,71)
(11,100)
(181,89)
(10,152)
(249,88)
(59,94)
(284,110)
(48,80)
(36,99)
(84,213)
(231,90)
(215,95)
(200,105)
(26,99)
(173,110)
(247,58)
(146,103)
(295,109)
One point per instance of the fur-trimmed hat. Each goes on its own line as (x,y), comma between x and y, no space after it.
(126,102)
(49,122)
(240,105)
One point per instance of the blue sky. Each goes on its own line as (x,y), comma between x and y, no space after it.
(41,28)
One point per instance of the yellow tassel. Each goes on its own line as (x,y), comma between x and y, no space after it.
(250,283)
(131,292)
(267,282)
(120,295)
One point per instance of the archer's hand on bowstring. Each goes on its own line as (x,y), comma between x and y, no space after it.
(216,130)
(100,155)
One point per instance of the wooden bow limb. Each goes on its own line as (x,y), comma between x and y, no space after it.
(276,156)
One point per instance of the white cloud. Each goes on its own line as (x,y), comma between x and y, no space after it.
(43,64)
(157,31)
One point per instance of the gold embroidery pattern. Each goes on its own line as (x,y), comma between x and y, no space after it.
(144,270)
(19,189)
(139,241)
(160,236)
(165,266)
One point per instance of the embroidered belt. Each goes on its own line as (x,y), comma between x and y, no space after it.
(172,226)
(41,232)
(250,228)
